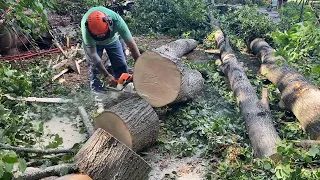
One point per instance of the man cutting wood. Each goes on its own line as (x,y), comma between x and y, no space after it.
(101,28)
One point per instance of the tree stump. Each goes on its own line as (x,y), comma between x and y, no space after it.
(132,121)
(297,93)
(162,78)
(104,157)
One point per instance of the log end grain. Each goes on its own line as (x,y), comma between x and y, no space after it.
(133,122)
(104,157)
(114,125)
(156,79)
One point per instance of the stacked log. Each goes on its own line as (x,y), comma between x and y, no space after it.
(297,93)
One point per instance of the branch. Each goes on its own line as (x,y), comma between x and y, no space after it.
(39,151)
(264,98)
(57,170)
(86,120)
(306,143)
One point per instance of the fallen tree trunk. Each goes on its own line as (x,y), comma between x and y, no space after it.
(133,122)
(262,133)
(104,157)
(297,93)
(161,77)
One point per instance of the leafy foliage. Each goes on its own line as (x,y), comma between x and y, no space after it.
(300,46)
(16,128)
(27,14)
(8,161)
(169,16)
(245,24)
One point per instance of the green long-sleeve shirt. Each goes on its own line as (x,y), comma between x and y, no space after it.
(119,28)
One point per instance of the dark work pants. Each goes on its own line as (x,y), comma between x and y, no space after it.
(118,62)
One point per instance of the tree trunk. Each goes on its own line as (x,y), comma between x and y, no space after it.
(133,122)
(161,77)
(262,134)
(297,94)
(104,157)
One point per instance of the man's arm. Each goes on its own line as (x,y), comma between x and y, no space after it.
(133,48)
(93,55)
(126,35)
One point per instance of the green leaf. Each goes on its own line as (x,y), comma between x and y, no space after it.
(22,165)
(10,157)
(267,166)
(1,168)
(8,167)
(313,151)
(316,69)
(9,73)
(168,147)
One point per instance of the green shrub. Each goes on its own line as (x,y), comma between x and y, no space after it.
(245,24)
(174,17)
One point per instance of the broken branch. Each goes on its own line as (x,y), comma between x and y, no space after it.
(32,150)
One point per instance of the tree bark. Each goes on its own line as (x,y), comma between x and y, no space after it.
(104,157)
(262,133)
(133,122)
(162,78)
(49,171)
(297,94)
(86,120)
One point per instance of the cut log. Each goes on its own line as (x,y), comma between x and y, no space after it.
(74,177)
(133,122)
(262,134)
(104,157)
(162,78)
(297,93)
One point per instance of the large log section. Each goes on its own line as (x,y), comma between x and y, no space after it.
(297,93)
(161,77)
(132,121)
(103,157)
(262,134)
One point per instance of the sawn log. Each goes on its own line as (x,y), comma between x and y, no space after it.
(297,93)
(104,157)
(132,121)
(162,78)
(262,134)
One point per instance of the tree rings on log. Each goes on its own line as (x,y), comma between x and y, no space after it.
(74,177)
(103,157)
(162,78)
(133,122)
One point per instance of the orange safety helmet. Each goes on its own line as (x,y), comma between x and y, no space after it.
(98,23)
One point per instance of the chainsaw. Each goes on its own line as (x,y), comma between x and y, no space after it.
(124,80)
